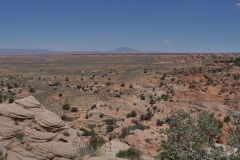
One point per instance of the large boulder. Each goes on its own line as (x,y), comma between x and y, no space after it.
(28,131)
(49,120)
(28,102)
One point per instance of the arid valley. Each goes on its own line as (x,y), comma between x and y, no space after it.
(113,102)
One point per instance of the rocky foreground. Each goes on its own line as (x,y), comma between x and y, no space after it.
(28,131)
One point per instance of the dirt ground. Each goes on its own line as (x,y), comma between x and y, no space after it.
(98,88)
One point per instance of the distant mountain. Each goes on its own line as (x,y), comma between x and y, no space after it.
(22,51)
(124,50)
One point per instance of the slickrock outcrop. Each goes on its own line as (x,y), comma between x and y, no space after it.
(28,131)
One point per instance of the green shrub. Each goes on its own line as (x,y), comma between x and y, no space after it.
(32,90)
(96,142)
(132,114)
(131,153)
(191,138)
(147,116)
(161,84)
(122,85)
(87,132)
(130,86)
(142,97)
(145,71)
(9,86)
(66,107)
(164,97)
(234,137)
(237,61)
(19,135)
(110,128)
(227,119)
(11,100)
(159,122)
(111,124)
(74,109)
(94,106)
(66,118)
(118,95)
(151,101)
(127,130)
(66,133)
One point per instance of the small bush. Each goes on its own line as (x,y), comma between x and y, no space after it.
(122,85)
(94,106)
(66,134)
(96,142)
(237,61)
(87,132)
(127,130)
(145,71)
(142,97)
(130,86)
(32,90)
(111,124)
(118,95)
(74,109)
(131,153)
(108,83)
(66,107)
(146,117)
(159,122)
(19,135)
(227,119)
(101,115)
(66,118)
(110,128)
(164,97)
(151,101)
(132,114)
(11,100)
(9,86)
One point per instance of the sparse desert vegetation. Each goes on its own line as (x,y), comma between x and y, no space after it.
(146,106)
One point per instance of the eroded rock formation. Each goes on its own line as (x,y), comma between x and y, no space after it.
(28,131)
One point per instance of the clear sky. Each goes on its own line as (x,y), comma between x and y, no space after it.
(149,25)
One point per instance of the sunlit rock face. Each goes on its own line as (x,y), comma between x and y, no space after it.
(28,131)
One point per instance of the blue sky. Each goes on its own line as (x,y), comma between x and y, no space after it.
(149,25)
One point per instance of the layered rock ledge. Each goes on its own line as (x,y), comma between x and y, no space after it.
(28,131)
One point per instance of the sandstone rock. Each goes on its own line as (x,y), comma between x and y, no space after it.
(28,102)
(41,138)
(15,111)
(33,135)
(8,128)
(49,120)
